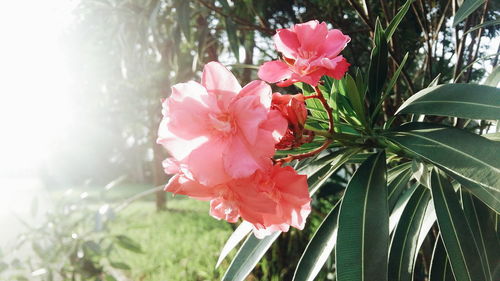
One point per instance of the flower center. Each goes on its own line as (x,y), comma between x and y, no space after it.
(222,122)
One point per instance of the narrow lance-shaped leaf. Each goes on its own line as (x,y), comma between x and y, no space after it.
(397,19)
(467,8)
(319,248)
(404,244)
(377,70)
(248,256)
(455,231)
(458,100)
(481,221)
(467,157)
(363,226)
(440,264)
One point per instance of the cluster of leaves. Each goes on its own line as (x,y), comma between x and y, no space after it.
(424,202)
(72,243)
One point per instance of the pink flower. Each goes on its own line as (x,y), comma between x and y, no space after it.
(309,51)
(271,200)
(293,108)
(218,129)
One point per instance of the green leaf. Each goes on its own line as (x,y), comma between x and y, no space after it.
(467,8)
(183,16)
(396,73)
(404,244)
(467,157)
(482,220)
(440,264)
(458,100)
(456,233)
(127,243)
(248,256)
(363,225)
(391,28)
(317,177)
(397,186)
(319,248)
(484,24)
(238,234)
(377,70)
(120,265)
(348,85)
(231,30)
(494,78)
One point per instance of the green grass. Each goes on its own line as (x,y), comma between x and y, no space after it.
(182,243)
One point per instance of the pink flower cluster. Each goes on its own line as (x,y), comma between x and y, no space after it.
(222,137)
(309,51)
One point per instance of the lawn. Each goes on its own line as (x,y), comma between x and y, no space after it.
(182,243)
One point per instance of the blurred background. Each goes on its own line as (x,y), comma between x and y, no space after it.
(81,84)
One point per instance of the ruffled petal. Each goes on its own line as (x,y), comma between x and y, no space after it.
(335,42)
(219,81)
(274,71)
(206,163)
(340,68)
(239,160)
(177,147)
(311,35)
(286,42)
(188,109)
(248,113)
(179,184)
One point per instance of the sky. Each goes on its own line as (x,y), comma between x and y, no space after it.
(34,106)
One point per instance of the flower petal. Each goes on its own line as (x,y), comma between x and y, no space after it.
(335,42)
(274,71)
(187,109)
(206,163)
(286,42)
(311,34)
(219,81)
(178,184)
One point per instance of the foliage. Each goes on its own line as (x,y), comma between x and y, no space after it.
(435,172)
(424,50)
(73,242)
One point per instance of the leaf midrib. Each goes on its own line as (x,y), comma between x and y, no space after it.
(441,191)
(364,217)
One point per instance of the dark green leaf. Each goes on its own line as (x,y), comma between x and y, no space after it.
(377,70)
(363,225)
(319,248)
(467,157)
(455,231)
(458,100)
(231,30)
(440,264)
(397,19)
(127,243)
(404,244)
(397,186)
(482,220)
(467,8)
(183,16)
